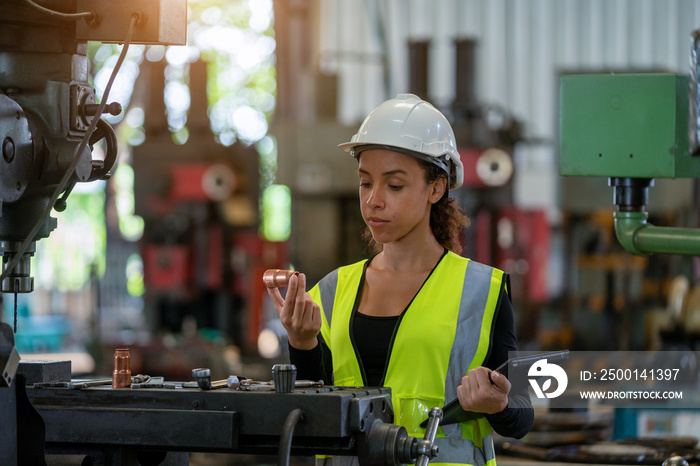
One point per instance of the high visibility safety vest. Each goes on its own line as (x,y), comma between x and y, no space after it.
(445,331)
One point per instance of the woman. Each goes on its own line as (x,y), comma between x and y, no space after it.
(416,316)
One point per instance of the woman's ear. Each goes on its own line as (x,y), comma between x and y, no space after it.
(437,189)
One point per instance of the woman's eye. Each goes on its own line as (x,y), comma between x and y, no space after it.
(395,187)
(364,184)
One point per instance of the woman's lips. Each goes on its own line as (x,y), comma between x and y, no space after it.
(375,222)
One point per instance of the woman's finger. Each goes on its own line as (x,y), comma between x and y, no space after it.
(473,380)
(463,393)
(315,315)
(287,313)
(501,382)
(308,317)
(277,299)
(482,377)
(299,299)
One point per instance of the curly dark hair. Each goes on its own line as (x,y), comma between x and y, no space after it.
(447,218)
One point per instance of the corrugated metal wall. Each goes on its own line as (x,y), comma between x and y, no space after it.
(524,45)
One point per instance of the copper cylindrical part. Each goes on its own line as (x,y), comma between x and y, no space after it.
(276,278)
(121,377)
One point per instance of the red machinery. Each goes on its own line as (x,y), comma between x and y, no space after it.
(199,202)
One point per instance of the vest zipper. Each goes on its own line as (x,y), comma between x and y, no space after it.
(396,327)
(505,287)
(398,322)
(352,322)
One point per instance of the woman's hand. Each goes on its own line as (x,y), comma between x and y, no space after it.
(300,315)
(478,394)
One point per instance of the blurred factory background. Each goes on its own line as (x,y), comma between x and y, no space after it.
(228,165)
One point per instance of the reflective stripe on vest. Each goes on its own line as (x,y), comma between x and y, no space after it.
(445,331)
(463,451)
(478,286)
(327,287)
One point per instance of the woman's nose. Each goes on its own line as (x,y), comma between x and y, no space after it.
(375,198)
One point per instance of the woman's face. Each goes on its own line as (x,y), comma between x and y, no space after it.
(395,198)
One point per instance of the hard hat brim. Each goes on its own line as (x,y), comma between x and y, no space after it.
(453,168)
(349,146)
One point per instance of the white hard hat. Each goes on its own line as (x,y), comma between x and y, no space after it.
(413,126)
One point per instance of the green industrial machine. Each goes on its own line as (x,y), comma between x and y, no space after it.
(632,128)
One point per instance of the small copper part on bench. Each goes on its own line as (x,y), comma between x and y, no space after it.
(121,377)
(276,278)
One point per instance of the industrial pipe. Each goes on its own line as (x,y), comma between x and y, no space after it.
(641,238)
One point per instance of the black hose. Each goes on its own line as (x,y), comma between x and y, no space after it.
(87,15)
(293,418)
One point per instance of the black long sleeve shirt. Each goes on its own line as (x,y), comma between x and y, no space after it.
(373,335)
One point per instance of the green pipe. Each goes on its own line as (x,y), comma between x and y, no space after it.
(641,238)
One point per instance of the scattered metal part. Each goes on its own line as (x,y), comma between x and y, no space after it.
(147,385)
(203,376)
(256,386)
(233,381)
(152,382)
(145,381)
(80,384)
(284,377)
(248,384)
(53,385)
(91,383)
(308,383)
(121,377)
(219,384)
(140,378)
